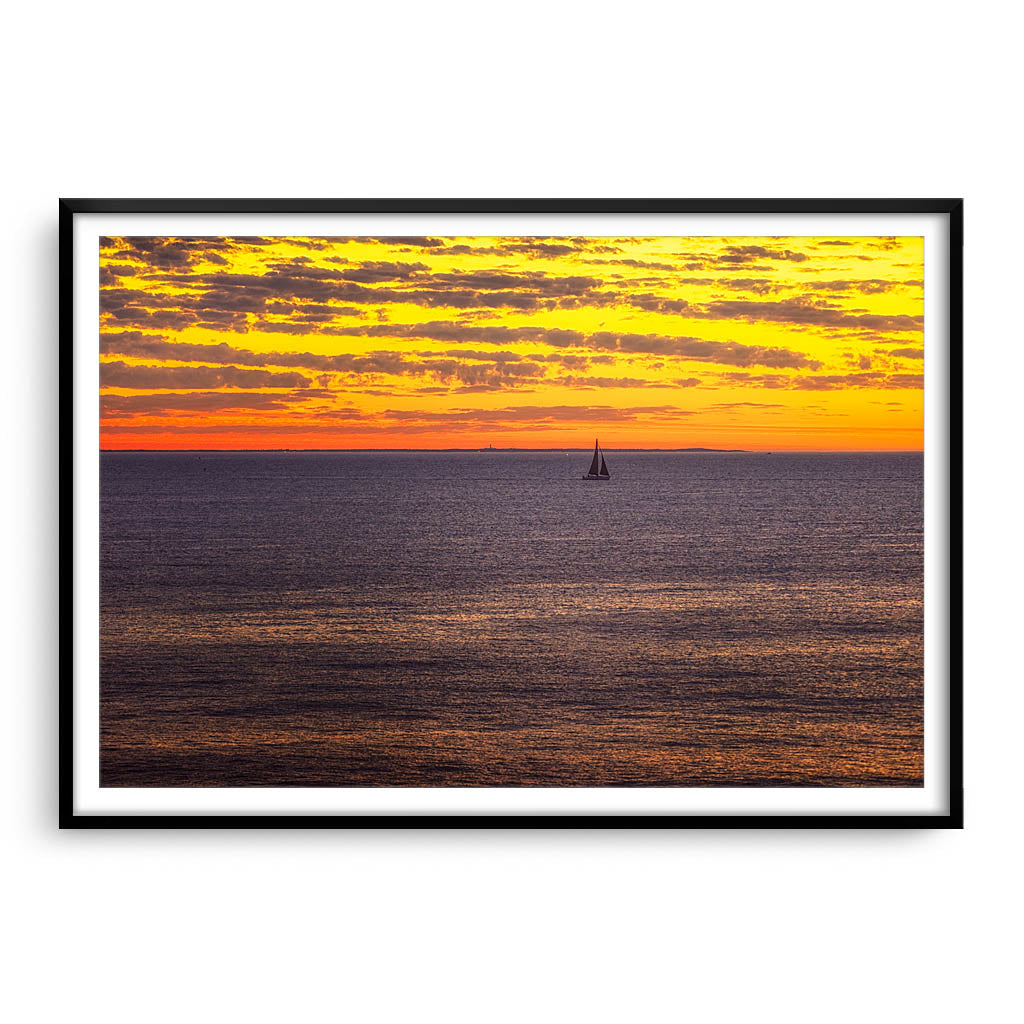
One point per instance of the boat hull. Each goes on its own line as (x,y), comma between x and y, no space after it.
(594,476)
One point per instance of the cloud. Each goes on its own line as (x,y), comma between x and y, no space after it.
(416,240)
(541,246)
(133,307)
(348,424)
(871,379)
(696,349)
(807,312)
(111,274)
(193,402)
(747,405)
(871,286)
(497,369)
(825,382)
(639,264)
(376,271)
(532,281)
(905,380)
(469,353)
(701,350)
(536,247)
(494,375)
(584,382)
(245,301)
(168,252)
(758,285)
(753,253)
(153,288)
(761,380)
(123,375)
(450,331)
(538,414)
(157,346)
(682,347)
(571,362)
(297,282)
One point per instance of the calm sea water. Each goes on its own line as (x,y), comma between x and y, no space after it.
(424,619)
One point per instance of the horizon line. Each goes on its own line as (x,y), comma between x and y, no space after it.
(725,451)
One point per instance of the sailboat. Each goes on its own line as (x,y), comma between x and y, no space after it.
(598,461)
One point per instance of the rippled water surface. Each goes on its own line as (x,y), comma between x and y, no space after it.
(490,619)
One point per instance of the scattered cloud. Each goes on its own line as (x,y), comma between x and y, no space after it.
(190,402)
(807,312)
(309,320)
(754,253)
(682,347)
(747,405)
(119,374)
(538,414)
(870,286)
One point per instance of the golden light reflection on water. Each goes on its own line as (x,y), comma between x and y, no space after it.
(735,750)
(385,646)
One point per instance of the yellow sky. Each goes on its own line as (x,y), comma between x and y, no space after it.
(742,342)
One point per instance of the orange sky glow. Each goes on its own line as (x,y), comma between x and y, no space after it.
(767,344)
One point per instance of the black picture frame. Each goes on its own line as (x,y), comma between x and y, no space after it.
(950,208)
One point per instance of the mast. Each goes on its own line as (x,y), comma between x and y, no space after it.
(594,464)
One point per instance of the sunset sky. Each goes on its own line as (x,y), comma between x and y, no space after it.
(461,342)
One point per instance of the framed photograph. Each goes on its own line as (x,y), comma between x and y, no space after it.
(529,513)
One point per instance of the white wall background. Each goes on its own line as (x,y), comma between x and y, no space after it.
(532,99)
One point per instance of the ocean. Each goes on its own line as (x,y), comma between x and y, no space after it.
(491,619)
